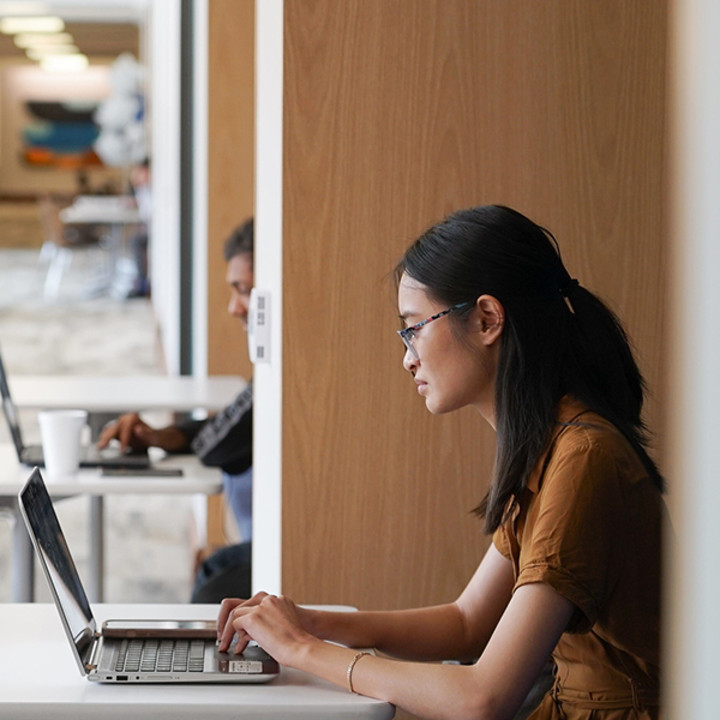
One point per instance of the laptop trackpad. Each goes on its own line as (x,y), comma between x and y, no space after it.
(253,661)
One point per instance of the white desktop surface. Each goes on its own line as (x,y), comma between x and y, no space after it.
(39,678)
(101,210)
(196,478)
(124,394)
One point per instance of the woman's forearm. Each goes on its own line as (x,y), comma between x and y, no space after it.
(433,633)
(458,630)
(493,687)
(424,689)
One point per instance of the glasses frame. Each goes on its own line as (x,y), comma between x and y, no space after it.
(407,335)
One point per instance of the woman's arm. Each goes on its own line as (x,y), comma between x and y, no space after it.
(492,688)
(458,630)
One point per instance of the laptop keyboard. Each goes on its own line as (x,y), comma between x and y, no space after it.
(151,655)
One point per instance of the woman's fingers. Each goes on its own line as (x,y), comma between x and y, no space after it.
(225,629)
(226,607)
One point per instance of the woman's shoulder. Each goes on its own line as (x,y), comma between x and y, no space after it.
(586,440)
(579,426)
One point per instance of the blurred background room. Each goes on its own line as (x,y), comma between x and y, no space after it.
(75,219)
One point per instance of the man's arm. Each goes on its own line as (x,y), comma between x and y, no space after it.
(225,440)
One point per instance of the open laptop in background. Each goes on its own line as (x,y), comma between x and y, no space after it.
(129,651)
(90,455)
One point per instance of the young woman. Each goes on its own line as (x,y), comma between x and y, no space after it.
(494,320)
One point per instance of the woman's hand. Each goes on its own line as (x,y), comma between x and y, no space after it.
(274,623)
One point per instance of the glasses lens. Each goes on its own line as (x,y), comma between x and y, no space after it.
(408,337)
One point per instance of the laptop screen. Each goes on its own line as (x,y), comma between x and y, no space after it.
(57,562)
(10,412)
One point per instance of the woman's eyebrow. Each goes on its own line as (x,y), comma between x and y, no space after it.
(408,313)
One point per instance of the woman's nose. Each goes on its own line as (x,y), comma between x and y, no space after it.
(410,362)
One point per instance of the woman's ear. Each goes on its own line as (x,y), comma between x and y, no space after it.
(489,318)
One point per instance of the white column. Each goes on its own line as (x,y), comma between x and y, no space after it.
(267,388)
(693,588)
(164,109)
(200,189)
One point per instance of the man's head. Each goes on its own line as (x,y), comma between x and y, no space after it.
(238,251)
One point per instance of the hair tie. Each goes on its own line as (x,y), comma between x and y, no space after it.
(565,291)
(567,287)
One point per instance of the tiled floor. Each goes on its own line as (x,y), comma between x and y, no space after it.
(148,553)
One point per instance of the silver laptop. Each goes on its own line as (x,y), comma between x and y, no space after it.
(91,456)
(129,651)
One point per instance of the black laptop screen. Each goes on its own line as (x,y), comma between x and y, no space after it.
(57,561)
(10,412)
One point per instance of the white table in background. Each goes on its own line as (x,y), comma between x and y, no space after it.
(124,393)
(39,678)
(119,213)
(115,210)
(196,479)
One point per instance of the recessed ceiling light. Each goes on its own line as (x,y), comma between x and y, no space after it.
(27,40)
(64,63)
(42,24)
(43,52)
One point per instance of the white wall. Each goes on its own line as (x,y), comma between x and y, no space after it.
(164,109)
(693,588)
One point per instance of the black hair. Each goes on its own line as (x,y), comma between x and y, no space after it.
(240,241)
(558,338)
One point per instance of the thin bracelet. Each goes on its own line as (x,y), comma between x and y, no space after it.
(350,669)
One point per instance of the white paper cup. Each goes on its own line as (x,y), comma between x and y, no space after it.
(61,433)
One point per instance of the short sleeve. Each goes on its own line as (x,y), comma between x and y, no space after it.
(572,538)
(501,543)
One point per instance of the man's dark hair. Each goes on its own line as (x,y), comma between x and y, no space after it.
(241,241)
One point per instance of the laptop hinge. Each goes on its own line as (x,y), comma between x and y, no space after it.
(92,662)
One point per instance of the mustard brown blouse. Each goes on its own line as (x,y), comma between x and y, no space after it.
(589,525)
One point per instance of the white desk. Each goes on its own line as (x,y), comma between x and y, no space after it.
(39,679)
(197,479)
(123,394)
(102,210)
(119,214)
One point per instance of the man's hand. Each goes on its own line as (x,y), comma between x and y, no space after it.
(135,434)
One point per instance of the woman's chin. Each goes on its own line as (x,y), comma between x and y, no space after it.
(434,407)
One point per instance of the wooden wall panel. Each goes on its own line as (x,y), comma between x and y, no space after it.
(395,114)
(231,171)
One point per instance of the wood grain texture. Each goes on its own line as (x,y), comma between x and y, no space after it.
(231,186)
(231,172)
(395,114)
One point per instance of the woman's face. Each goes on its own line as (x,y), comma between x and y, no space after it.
(449,372)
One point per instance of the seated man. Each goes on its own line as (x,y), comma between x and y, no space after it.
(224,441)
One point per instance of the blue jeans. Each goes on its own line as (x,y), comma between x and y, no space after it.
(238,493)
(226,573)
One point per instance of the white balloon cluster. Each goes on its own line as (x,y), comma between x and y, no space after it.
(122,140)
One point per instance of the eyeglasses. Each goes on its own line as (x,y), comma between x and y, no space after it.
(407,335)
